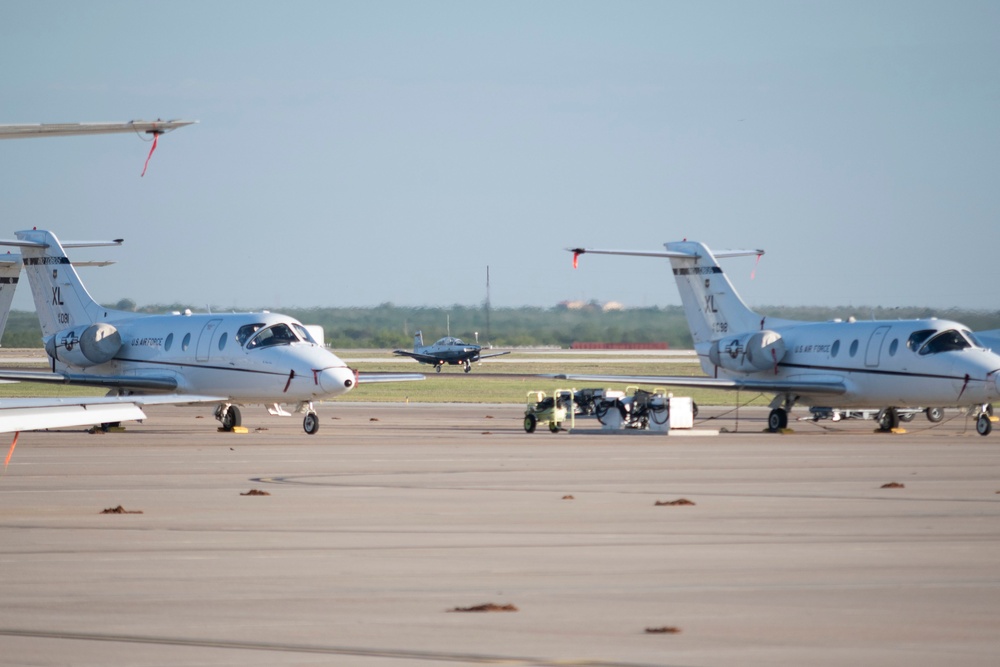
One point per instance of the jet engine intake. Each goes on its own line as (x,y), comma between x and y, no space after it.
(85,346)
(748,353)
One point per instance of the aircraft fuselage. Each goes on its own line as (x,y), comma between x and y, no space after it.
(880,363)
(204,354)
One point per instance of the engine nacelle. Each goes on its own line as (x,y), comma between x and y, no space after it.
(85,346)
(748,353)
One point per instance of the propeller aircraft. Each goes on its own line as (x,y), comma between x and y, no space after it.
(879,364)
(448,350)
(232,359)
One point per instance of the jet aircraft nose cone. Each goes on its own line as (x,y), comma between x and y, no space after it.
(338,380)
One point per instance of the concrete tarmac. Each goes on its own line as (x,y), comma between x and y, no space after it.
(376,529)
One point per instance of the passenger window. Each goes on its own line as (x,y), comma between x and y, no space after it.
(854,347)
(835,348)
(222,341)
(893,346)
(186,343)
(168,342)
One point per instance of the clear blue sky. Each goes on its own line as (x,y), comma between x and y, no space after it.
(367,152)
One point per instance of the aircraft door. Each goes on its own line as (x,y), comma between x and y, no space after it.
(205,339)
(874,350)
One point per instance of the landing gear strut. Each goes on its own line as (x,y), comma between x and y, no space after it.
(468,366)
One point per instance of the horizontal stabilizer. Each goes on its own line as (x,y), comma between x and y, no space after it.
(76,129)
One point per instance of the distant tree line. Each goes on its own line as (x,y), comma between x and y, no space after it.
(391,326)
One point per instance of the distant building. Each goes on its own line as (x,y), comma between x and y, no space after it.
(590,305)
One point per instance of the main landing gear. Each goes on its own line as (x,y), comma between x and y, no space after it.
(888,419)
(229,416)
(777,420)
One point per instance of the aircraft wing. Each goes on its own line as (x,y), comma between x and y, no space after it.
(832,387)
(30,414)
(416,355)
(369,378)
(493,354)
(73,129)
(133,382)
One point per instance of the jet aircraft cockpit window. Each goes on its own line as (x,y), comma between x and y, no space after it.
(945,341)
(304,334)
(972,339)
(246,331)
(278,334)
(917,338)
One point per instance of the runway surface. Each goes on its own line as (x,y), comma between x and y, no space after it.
(377,528)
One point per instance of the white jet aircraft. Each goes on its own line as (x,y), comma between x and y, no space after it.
(886,364)
(26,414)
(232,358)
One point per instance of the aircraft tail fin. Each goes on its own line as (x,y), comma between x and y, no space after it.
(711,305)
(418,340)
(60,297)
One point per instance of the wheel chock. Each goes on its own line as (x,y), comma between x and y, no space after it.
(235,429)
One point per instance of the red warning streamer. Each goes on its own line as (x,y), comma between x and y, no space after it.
(754,272)
(11,452)
(156,135)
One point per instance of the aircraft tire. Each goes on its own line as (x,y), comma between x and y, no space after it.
(530,422)
(934,414)
(437,369)
(777,420)
(231,418)
(468,368)
(888,419)
(984,425)
(310,423)
(553,427)
(906,417)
